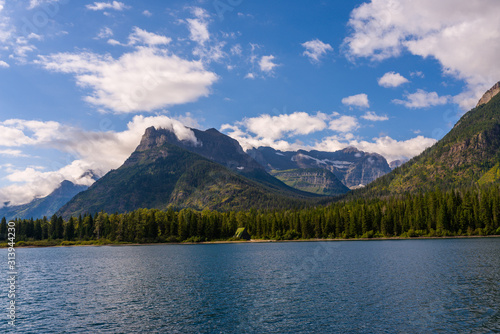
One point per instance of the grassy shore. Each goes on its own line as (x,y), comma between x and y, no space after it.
(104,242)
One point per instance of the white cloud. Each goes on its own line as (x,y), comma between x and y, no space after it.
(392,79)
(423,99)
(236,50)
(113,42)
(12,153)
(139,36)
(274,127)
(461,35)
(147,13)
(98,151)
(4,64)
(372,116)
(144,80)
(35,3)
(266,64)
(250,76)
(360,100)
(417,74)
(198,27)
(315,49)
(105,32)
(390,148)
(116,5)
(344,124)
(277,131)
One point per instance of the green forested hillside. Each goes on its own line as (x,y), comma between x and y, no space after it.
(460,159)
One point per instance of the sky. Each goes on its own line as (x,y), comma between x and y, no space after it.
(80,81)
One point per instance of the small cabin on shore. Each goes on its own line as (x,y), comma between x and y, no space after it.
(242,233)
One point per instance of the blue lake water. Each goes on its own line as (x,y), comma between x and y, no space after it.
(407,286)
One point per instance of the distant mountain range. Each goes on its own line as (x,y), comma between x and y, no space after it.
(469,155)
(46,206)
(211,171)
(351,166)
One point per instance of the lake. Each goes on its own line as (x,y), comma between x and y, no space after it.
(394,286)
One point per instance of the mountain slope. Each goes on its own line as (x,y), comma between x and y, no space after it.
(160,175)
(351,166)
(47,206)
(460,159)
(219,148)
(314,180)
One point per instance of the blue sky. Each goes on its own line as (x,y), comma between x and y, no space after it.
(81,80)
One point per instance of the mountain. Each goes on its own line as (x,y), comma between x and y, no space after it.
(46,206)
(352,167)
(166,172)
(314,180)
(219,148)
(489,94)
(397,163)
(468,155)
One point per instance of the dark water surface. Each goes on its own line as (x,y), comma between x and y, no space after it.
(414,286)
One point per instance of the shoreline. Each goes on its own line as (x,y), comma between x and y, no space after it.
(256,241)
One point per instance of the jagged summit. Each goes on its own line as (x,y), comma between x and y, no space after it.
(489,94)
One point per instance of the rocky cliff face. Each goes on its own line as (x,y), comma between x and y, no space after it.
(352,167)
(489,94)
(314,180)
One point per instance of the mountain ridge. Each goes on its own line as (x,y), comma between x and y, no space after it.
(163,173)
(460,159)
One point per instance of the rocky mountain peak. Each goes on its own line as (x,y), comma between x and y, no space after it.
(489,94)
(350,149)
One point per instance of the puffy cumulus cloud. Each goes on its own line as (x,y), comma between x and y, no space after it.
(390,148)
(360,100)
(4,64)
(462,35)
(115,5)
(274,127)
(267,130)
(89,150)
(316,49)
(266,64)
(146,79)
(12,132)
(392,79)
(344,124)
(278,132)
(372,116)
(423,99)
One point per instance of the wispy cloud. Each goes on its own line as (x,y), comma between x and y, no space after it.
(372,116)
(316,49)
(115,5)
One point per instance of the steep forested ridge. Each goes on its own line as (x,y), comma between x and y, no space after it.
(462,158)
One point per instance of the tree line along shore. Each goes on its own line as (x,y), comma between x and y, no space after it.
(470,212)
